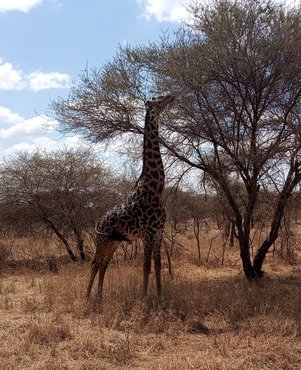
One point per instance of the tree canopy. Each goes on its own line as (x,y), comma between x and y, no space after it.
(234,70)
(63,191)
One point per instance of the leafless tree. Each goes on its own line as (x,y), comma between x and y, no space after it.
(64,191)
(235,72)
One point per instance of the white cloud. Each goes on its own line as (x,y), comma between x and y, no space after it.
(54,80)
(31,134)
(7,116)
(10,78)
(165,10)
(20,5)
(42,142)
(35,126)
(17,148)
(176,10)
(75,141)
(40,133)
(45,142)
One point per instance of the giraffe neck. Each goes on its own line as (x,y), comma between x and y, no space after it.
(152,175)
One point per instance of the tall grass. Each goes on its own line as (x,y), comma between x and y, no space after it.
(208,318)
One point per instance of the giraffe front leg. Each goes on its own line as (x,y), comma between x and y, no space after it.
(101,243)
(104,263)
(157,262)
(148,245)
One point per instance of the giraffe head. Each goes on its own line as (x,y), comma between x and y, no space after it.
(157,105)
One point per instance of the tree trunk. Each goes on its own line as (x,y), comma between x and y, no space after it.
(79,242)
(196,230)
(246,259)
(51,225)
(232,234)
(269,241)
(293,178)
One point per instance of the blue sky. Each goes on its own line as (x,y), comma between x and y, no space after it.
(45,44)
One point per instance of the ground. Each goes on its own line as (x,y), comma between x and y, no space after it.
(210,317)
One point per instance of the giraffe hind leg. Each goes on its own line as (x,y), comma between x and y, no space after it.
(104,263)
(94,270)
(152,249)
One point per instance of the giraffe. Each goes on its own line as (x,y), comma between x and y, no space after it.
(142,215)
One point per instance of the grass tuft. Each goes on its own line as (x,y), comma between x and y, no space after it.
(208,318)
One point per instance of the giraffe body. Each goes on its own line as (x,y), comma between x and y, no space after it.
(142,215)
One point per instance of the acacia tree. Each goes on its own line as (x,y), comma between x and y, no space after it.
(64,191)
(234,70)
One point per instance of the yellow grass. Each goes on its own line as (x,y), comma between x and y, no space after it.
(209,318)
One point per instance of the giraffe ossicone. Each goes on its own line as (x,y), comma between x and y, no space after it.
(142,215)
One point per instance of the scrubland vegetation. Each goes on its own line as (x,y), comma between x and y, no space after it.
(231,251)
(210,316)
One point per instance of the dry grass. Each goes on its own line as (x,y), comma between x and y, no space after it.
(210,318)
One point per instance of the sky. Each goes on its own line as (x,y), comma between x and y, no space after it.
(46,44)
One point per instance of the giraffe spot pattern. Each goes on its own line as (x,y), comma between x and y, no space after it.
(142,215)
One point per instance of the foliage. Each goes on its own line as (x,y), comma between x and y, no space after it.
(63,191)
(234,72)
